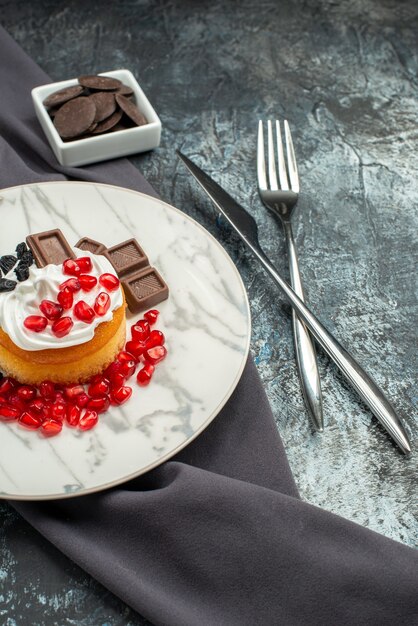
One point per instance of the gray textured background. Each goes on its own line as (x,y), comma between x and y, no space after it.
(345,75)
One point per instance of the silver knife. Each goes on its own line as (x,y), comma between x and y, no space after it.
(365,386)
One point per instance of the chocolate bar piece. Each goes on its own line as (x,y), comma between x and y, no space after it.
(144,289)
(126,257)
(91,245)
(48,247)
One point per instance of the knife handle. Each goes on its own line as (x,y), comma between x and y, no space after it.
(304,346)
(365,386)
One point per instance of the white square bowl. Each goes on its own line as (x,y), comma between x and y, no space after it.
(102,147)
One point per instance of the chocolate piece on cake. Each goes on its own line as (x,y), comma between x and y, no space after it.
(126,257)
(48,247)
(144,289)
(91,245)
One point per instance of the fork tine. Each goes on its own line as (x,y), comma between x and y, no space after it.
(274,186)
(261,160)
(284,183)
(291,159)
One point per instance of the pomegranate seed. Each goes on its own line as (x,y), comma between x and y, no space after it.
(145,374)
(124,356)
(151,316)
(156,338)
(46,410)
(109,282)
(28,420)
(47,390)
(127,368)
(6,385)
(99,389)
(140,330)
(51,310)
(51,427)
(65,298)
(36,323)
(85,264)
(72,284)
(121,395)
(135,348)
(97,378)
(73,414)
(84,312)
(87,282)
(36,406)
(9,412)
(88,420)
(100,405)
(71,391)
(111,369)
(102,303)
(81,400)
(15,401)
(155,355)
(117,379)
(71,267)
(58,410)
(26,393)
(62,327)
(60,397)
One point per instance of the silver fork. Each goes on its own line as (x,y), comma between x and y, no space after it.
(281,199)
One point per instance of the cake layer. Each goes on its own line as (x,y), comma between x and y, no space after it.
(65,365)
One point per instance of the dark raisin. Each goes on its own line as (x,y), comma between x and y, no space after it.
(21,248)
(7,285)
(7,262)
(27,257)
(22,272)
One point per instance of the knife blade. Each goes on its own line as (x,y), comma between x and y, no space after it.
(246,227)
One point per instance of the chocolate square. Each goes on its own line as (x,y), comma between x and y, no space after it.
(91,245)
(144,289)
(126,257)
(48,247)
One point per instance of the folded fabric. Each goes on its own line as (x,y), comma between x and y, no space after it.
(218,535)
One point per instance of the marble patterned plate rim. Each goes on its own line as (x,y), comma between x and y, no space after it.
(233,383)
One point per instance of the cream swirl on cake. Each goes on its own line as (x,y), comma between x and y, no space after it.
(43,284)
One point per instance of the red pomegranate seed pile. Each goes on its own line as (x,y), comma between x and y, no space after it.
(81,280)
(48,406)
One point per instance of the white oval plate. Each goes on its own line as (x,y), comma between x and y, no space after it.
(206,321)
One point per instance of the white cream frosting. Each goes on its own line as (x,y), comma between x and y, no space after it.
(43,284)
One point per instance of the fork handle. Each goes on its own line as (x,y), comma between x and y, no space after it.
(365,386)
(305,352)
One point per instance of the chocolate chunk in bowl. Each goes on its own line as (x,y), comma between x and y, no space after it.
(108,124)
(125,90)
(105,104)
(101,83)
(61,96)
(75,117)
(131,110)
